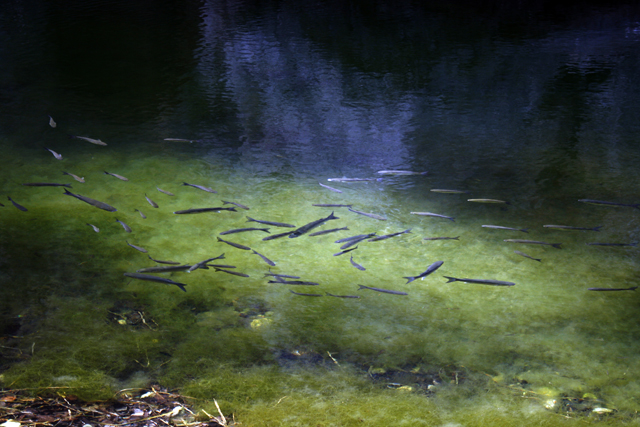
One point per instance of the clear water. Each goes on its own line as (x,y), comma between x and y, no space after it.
(537,112)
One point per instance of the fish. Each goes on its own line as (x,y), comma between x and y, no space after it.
(342,296)
(568,227)
(96,229)
(151,202)
(141,214)
(120,177)
(330,188)
(125,226)
(139,248)
(353,179)
(286,276)
(306,295)
(156,279)
(354,242)
(386,291)
(76,177)
(613,244)
(320,233)
(527,256)
(275,224)
(163,262)
(240,230)
(534,242)
(206,267)
(487,201)
(92,202)
(264,258)
(480,281)
(345,251)
(91,140)
(440,190)
(442,238)
(356,265)
(201,187)
(164,269)
(277,236)
(181,140)
(433,214)
(46,184)
(235,273)
(52,122)
(397,172)
(235,245)
(237,204)
(386,236)
(331,205)
(359,236)
(56,155)
(294,282)
(1,205)
(600,202)
(201,210)
(498,227)
(305,228)
(168,193)
(433,267)
(614,289)
(370,215)
(201,264)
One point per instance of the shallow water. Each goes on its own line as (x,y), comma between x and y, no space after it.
(539,117)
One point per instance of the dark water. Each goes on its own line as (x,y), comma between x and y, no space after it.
(535,104)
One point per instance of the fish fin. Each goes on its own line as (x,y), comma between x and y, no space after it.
(332,216)
(67,192)
(451,279)
(181,286)
(249,219)
(409,279)
(556,245)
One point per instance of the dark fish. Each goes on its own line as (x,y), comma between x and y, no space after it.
(353,179)
(439,190)
(342,296)
(527,256)
(487,201)
(614,289)
(498,227)
(300,231)
(345,251)
(92,202)
(235,273)
(434,215)
(534,242)
(201,187)
(240,230)
(330,188)
(91,140)
(276,236)
(433,267)
(235,245)
(1,205)
(386,291)
(331,205)
(201,264)
(386,236)
(181,140)
(370,215)
(163,262)
(151,202)
(46,184)
(480,281)
(96,229)
(320,233)
(265,259)
(353,242)
(56,155)
(613,244)
(202,210)
(280,275)
(168,193)
(20,207)
(600,202)
(356,265)
(441,238)
(116,175)
(164,269)
(397,172)
(76,177)
(141,249)
(306,295)
(219,266)
(346,239)
(237,204)
(275,224)
(568,227)
(294,282)
(125,226)
(141,214)
(156,279)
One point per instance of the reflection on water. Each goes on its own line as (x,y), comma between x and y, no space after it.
(539,116)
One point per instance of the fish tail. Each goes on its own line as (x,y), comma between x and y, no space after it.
(332,216)
(451,279)
(67,192)
(633,289)
(597,228)
(409,279)
(184,183)
(181,286)
(452,219)
(249,219)
(362,287)
(634,244)
(220,240)
(556,245)
(525,230)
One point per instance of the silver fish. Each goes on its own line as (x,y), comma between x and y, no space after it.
(277,236)
(534,242)
(397,172)
(164,262)
(614,289)
(568,227)
(294,282)
(527,256)
(320,233)
(386,291)
(96,203)
(141,214)
(156,279)
(168,193)
(353,179)
(96,229)
(386,236)
(331,205)
(164,269)
(180,140)
(440,190)
(433,267)
(275,224)
(201,210)
(356,265)
(434,215)
(76,177)
(201,187)
(125,226)
(370,215)
(487,201)
(330,188)
(480,281)
(353,242)
(264,258)
(151,202)
(306,295)
(235,245)
(342,296)
(613,244)
(46,184)
(441,238)
(600,202)
(280,275)
(300,231)
(240,230)
(345,251)
(498,227)
(52,122)
(56,155)
(235,273)
(237,204)
(138,248)
(91,140)
(120,177)
(359,237)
